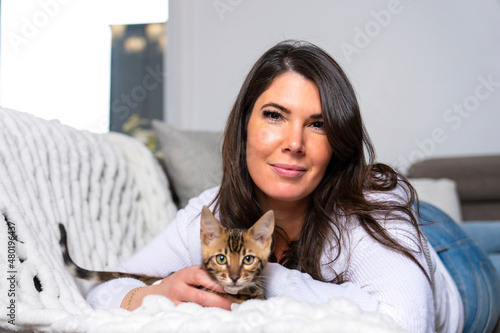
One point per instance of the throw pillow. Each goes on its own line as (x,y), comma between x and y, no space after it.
(192,159)
(441,192)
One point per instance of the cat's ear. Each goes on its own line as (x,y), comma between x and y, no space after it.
(210,228)
(263,229)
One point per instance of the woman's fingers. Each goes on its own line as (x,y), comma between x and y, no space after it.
(203,298)
(198,277)
(180,287)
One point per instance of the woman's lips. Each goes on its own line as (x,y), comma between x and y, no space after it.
(288,170)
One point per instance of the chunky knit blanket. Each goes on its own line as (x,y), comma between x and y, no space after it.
(113,198)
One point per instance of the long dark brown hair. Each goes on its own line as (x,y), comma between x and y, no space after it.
(350,174)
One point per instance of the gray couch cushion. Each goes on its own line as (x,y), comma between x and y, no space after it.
(192,159)
(477,179)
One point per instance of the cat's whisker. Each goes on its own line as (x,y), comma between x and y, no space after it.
(258,284)
(227,253)
(263,278)
(242,252)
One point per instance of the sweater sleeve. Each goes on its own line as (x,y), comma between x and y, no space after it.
(397,283)
(176,247)
(109,295)
(379,279)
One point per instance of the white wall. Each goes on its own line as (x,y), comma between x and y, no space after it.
(55,56)
(426,72)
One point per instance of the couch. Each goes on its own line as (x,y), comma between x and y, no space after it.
(477,180)
(471,190)
(113,196)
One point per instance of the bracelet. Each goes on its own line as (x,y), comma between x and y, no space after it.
(132,296)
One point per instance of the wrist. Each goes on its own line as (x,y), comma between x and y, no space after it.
(132,301)
(110,294)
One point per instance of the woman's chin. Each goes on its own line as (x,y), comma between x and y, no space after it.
(287,196)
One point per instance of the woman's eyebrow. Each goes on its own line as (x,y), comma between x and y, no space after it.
(277,106)
(284,109)
(316,116)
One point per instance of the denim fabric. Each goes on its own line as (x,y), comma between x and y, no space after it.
(487,237)
(486,234)
(472,271)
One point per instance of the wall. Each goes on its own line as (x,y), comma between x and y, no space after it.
(426,72)
(55,56)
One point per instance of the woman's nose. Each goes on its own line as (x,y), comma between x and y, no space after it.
(293,139)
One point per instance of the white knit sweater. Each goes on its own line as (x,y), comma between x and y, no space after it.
(380,280)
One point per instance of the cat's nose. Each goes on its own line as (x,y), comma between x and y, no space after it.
(234,277)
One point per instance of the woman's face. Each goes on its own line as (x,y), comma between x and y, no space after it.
(287,148)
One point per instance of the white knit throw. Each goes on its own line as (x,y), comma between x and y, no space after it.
(112,197)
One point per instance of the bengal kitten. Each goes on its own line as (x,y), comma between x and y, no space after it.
(234,258)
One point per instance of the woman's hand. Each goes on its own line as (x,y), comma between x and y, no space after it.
(180,287)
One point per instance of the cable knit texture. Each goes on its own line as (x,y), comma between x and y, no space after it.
(107,189)
(112,197)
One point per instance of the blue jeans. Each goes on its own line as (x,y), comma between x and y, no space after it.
(473,272)
(487,237)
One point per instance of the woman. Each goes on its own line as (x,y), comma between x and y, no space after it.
(345,227)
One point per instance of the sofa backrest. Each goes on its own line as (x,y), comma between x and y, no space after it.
(477,179)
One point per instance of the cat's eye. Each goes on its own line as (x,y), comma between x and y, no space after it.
(248,260)
(221,259)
